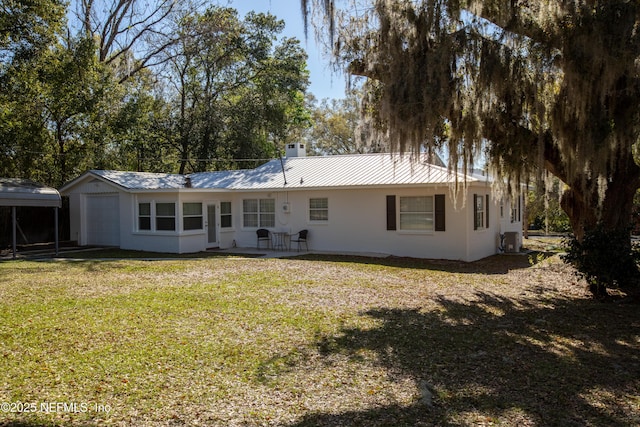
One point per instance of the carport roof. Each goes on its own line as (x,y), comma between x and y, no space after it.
(22,192)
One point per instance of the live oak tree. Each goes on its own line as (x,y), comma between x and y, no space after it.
(546,86)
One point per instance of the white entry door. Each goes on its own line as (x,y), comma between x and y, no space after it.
(212,226)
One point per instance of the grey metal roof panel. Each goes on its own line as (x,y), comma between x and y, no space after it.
(167,181)
(347,171)
(219,179)
(142,180)
(358,170)
(22,192)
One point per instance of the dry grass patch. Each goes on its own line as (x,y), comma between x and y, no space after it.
(316,341)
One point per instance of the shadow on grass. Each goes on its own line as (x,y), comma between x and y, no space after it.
(496,264)
(115,253)
(26,424)
(545,363)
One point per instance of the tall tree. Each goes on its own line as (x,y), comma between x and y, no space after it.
(235,87)
(71,85)
(50,85)
(130,34)
(27,27)
(546,85)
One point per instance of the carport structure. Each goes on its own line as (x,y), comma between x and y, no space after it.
(16,192)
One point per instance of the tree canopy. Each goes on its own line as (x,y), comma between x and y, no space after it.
(538,87)
(28,26)
(158,85)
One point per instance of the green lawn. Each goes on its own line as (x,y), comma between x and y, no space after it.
(317,341)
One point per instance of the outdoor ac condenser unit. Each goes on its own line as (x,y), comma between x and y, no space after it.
(511,243)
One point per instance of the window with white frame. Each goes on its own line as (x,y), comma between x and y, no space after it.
(416,213)
(515,209)
(166,216)
(319,209)
(192,216)
(226,218)
(259,213)
(479,212)
(250,213)
(144,216)
(267,213)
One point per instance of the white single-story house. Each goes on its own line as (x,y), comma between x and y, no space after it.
(368,203)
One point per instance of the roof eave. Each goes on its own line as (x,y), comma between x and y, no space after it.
(352,187)
(42,202)
(64,190)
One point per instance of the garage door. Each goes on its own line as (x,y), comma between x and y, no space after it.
(103,220)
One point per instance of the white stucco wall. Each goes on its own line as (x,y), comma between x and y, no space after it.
(482,242)
(357,223)
(512,221)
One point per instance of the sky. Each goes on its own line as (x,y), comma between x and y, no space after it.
(324,83)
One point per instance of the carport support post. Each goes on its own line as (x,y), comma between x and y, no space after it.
(55,226)
(14,223)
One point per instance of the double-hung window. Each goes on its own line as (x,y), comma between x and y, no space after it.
(166,216)
(416,213)
(515,209)
(226,217)
(144,216)
(192,216)
(319,209)
(480,211)
(250,213)
(259,213)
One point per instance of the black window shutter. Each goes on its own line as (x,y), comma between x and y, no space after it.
(475,211)
(519,208)
(391,213)
(440,212)
(486,211)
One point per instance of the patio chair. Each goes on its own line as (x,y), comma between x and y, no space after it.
(301,238)
(263,236)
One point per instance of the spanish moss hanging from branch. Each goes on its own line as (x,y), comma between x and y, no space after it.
(529,87)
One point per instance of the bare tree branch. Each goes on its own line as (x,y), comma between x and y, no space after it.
(136,29)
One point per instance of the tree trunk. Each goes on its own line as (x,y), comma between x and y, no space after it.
(62,154)
(602,231)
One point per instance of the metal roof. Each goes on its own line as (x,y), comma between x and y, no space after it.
(142,180)
(358,170)
(22,192)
